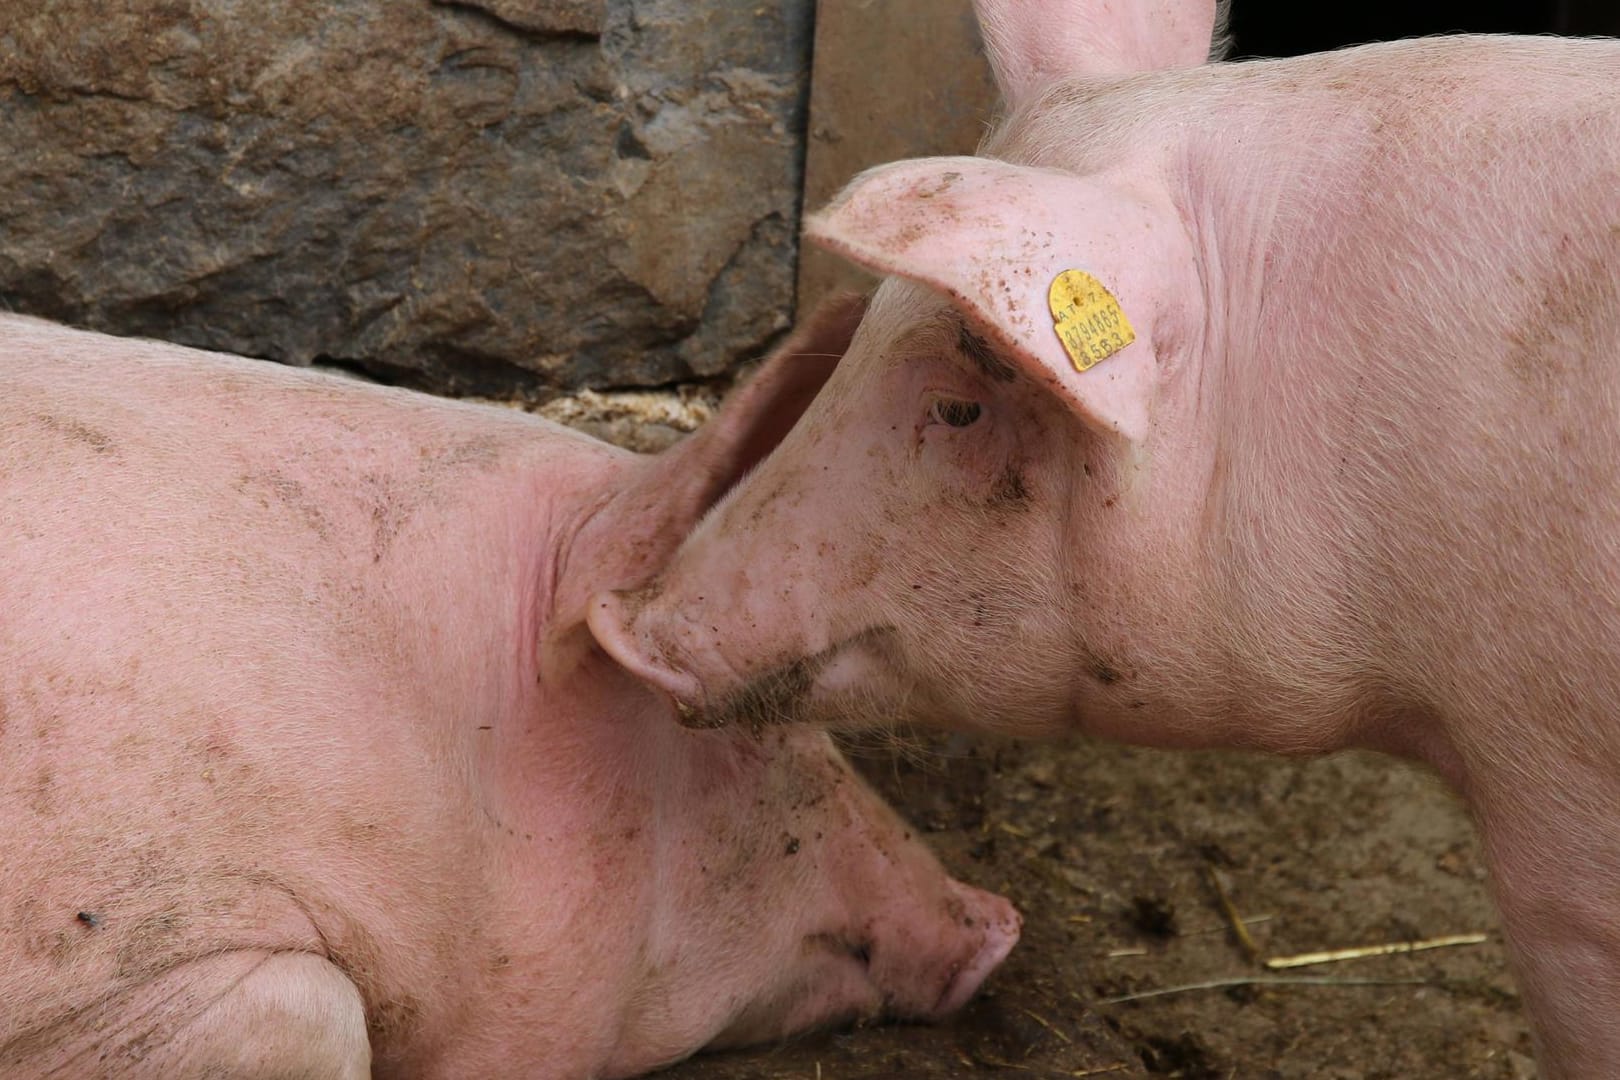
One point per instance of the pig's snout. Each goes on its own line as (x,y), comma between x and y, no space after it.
(930,961)
(996,925)
(612,618)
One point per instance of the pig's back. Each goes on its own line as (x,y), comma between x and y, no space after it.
(231,666)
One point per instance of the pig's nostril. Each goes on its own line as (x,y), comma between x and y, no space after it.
(863,954)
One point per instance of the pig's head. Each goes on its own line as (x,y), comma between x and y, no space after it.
(642,506)
(791,897)
(965,526)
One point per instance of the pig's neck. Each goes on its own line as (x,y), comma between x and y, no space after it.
(618,538)
(1412,526)
(1235,492)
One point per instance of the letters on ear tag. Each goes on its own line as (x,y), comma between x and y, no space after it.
(1087,318)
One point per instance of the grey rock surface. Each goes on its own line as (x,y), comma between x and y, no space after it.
(498,197)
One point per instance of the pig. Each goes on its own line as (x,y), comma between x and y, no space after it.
(309,766)
(1267,405)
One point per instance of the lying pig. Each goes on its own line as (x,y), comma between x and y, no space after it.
(308,767)
(1269,405)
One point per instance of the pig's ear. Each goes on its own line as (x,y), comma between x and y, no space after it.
(1088,286)
(693,475)
(1031,43)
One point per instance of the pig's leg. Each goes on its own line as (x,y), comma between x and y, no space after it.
(1556,887)
(237,1014)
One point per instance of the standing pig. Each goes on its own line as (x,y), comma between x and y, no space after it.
(309,768)
(1269,405)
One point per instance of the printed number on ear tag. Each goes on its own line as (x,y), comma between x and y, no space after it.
(1087,318)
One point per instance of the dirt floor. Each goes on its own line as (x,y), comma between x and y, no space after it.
(1109,852)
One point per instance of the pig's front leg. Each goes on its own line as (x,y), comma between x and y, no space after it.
(1556,873)
(245,1014)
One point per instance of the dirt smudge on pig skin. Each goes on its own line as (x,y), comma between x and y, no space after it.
(394,499)
(1105,670)
(42,793)
(864,568)
(389,513)
(1009,491)
(291,494)
(42,936)
(1559,331)
(76,431)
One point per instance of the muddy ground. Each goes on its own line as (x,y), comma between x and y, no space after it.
(1108,851)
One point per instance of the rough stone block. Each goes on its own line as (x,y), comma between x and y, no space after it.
(500,197)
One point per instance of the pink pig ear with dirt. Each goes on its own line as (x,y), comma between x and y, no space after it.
(693,475)
(1031,43)
(1089,287)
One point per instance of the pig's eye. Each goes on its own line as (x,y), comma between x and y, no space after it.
(954,411)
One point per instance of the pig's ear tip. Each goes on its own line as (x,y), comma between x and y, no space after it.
(822,228)
(831,236)
(831,227)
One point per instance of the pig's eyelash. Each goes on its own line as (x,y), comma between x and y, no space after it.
(955,412)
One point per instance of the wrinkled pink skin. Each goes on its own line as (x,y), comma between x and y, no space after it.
(297,710)
(1356,483)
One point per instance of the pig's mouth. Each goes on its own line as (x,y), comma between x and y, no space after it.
(831,686)
(777,696)
(825,687)
(820,688)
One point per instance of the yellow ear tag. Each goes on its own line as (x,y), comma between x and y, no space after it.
(1088,320)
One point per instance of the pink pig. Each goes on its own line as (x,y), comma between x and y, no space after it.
(308,766)
(1269,405)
